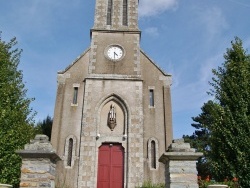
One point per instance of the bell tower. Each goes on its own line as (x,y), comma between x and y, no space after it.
(115,38)
(116,15)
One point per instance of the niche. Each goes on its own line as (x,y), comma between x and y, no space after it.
(112,119)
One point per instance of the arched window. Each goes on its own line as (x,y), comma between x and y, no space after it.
(153,154)
(125,12)
(109,12)
(70,151)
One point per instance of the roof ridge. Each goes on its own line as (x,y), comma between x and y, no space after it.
(72,63)
(155,64)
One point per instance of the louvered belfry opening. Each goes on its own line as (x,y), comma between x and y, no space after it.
(109,12)
(125,13)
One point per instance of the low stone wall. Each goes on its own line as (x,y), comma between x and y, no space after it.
(38,164)
(180,163)
(5,186)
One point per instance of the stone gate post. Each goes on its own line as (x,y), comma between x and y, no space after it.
(180,165)
(38,163)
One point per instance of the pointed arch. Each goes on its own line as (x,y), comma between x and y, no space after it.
(111,138)
(122,104)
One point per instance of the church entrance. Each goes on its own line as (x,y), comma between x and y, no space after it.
(110,166)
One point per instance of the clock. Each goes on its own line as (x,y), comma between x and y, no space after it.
(114,52)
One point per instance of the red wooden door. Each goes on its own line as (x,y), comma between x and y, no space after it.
(110,166)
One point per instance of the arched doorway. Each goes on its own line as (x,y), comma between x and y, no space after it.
(110,166)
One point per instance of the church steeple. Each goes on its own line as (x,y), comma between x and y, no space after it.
(115,39)
(116,15)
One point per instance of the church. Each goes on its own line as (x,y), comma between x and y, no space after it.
(112,118)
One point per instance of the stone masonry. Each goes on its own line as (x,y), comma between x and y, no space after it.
(180,163)
(38,164)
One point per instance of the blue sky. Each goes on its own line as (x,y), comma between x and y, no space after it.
(186,38)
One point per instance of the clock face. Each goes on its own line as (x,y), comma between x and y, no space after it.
(115,52)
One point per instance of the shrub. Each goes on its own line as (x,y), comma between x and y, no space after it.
(149,184)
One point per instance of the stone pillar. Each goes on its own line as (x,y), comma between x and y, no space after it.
(180,165)
(38,163)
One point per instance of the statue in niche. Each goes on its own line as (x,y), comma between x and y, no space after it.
(112,117)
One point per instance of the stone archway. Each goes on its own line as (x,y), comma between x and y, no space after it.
(116,137)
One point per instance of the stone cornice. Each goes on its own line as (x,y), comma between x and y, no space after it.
(185,156)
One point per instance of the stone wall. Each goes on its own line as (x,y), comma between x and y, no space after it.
(131,139)
(38,164)
(38,172)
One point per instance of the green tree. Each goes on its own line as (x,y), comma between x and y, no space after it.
(227,118)
(199,139)
(16,117)
(46,126)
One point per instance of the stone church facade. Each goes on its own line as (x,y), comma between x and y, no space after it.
(112,118)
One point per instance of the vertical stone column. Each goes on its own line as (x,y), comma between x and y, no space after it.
(38,163)
(180,163)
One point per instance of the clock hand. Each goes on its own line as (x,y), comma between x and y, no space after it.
(115,54)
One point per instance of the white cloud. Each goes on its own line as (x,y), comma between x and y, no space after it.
(192,95)
(214,21)
(152,31)
(240,3)
(151,8)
